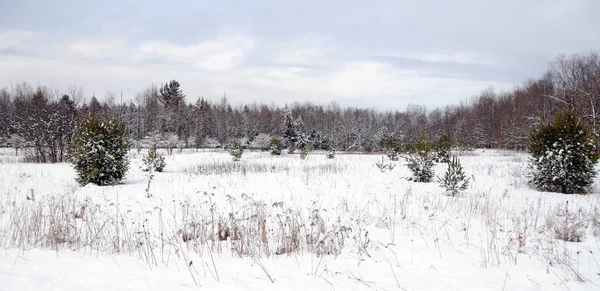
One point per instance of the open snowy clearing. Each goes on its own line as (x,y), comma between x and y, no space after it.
(282,223)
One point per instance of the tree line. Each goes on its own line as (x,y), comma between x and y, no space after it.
(43,119)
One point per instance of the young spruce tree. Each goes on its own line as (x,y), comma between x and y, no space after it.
(236,151)
(563,154)
(99,151)
(420,162)
(392,148)
(442,149)
(305,150)
(153,161)
(454,179)
(275,146)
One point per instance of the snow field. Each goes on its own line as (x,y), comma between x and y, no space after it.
(274,222)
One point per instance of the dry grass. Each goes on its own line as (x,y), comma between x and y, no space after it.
(257,167)
(490,224)
(245,226)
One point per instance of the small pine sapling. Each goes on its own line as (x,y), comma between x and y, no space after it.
(275,146)
(236,151)
(331,154)
(392,148)
(454,179)
(291,148)
(305,150)
(420,163)
(153,161)
(442,150)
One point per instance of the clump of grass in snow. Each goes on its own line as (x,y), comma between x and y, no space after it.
(242,167)
(229,167)
(244,225)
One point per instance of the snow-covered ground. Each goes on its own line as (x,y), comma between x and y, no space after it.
(282,223)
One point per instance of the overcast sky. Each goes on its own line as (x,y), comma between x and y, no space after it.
(381,54)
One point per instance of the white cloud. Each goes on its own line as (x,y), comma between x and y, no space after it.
(459,57)
(10,38)
(348,81)
(296,71)
(307,51)
(373,78)
(284,72)
(221,54)
(99,49)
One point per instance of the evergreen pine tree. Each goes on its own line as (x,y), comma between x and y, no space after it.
(563,154)
(153,161)
(170,94)
(302,139)
(289,127)
(99,151)
(420,163)
(275,146)
(305,150)
(331,154)
(442,150)
(392,148)
(454,179)
(236,151)
(291,148)
(95,107)
(172,98)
